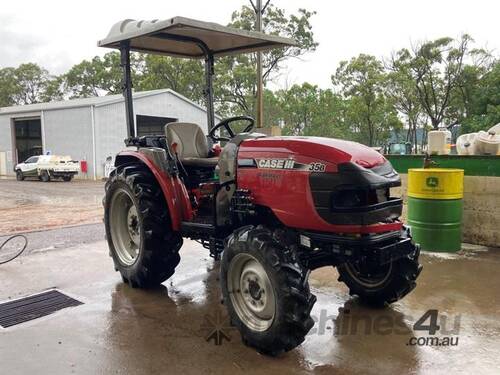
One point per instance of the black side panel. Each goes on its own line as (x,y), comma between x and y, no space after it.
(364,187)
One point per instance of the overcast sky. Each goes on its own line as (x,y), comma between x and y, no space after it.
(57,34)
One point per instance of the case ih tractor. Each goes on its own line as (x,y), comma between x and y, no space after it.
(273,208)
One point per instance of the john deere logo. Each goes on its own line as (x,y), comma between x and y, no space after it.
(432,182)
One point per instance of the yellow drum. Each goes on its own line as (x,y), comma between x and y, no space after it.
(436,183)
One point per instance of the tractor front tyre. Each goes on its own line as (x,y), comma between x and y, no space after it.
(380,285)
(142,244)
(67,178)
(266,291)
(19,175)
(44,176)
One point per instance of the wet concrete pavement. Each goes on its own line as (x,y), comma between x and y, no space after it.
(120,330)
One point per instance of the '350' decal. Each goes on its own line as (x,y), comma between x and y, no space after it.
(317,167)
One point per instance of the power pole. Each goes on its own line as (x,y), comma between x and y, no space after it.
(259,11)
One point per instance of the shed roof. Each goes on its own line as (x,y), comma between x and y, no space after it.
(178,36)
(96,101)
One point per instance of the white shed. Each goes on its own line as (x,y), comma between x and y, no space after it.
(90,129)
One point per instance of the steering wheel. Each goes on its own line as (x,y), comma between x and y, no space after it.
(226,125)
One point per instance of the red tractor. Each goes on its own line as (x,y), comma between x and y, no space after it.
(274,208)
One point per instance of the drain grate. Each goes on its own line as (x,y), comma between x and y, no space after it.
(34,307)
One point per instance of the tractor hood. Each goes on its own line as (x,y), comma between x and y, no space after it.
(327,149)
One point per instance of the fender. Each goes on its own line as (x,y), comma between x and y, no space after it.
(173,189)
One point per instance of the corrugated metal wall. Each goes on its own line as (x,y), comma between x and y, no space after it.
(6,139)
(69,132)
(111,130)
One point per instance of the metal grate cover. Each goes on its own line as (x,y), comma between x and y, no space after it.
(34,307)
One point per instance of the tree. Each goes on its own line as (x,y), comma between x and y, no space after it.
(31,81)
(101,75)
(184,76)
(274,113)
(9,89)
(54,90)
(437,67)
(236,76)
(275,22)
(235,85)
(299,103)
(483,109)
(402,91)
(311,111)
(361,82)
(28,84)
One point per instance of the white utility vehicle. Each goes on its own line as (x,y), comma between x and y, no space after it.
(47,167)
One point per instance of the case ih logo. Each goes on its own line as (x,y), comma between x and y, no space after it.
(276,163)
(432,182)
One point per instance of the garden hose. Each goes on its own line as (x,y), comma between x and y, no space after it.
(17,252)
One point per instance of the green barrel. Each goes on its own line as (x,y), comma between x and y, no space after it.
(435,208)
(436,224)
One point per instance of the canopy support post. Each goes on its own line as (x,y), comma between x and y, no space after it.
(127,87)
(209,91)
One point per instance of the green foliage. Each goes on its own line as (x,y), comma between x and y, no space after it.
(307,110)
(181,75)
(402,91)
(100,76)
(236,75)
(437,67)
(54,90)
(370,112)
(26,84)
(235,85)
(484,102)
(276,22)
(8,87)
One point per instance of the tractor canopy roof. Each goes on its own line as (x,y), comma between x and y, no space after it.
(184,37)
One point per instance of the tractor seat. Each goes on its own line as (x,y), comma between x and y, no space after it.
(190,143)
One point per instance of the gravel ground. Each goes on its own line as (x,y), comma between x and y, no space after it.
(28,206)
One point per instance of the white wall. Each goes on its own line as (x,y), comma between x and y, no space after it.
(69,132)
(6,138)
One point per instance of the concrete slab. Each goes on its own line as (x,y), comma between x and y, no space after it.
(120,330)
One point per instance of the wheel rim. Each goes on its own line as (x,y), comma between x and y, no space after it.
(125,227)
(369,278)
(251,292)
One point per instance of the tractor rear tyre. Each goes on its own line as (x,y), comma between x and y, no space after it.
(19,175)
(266,291)
(142,244)
(44,176)
(382,284)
